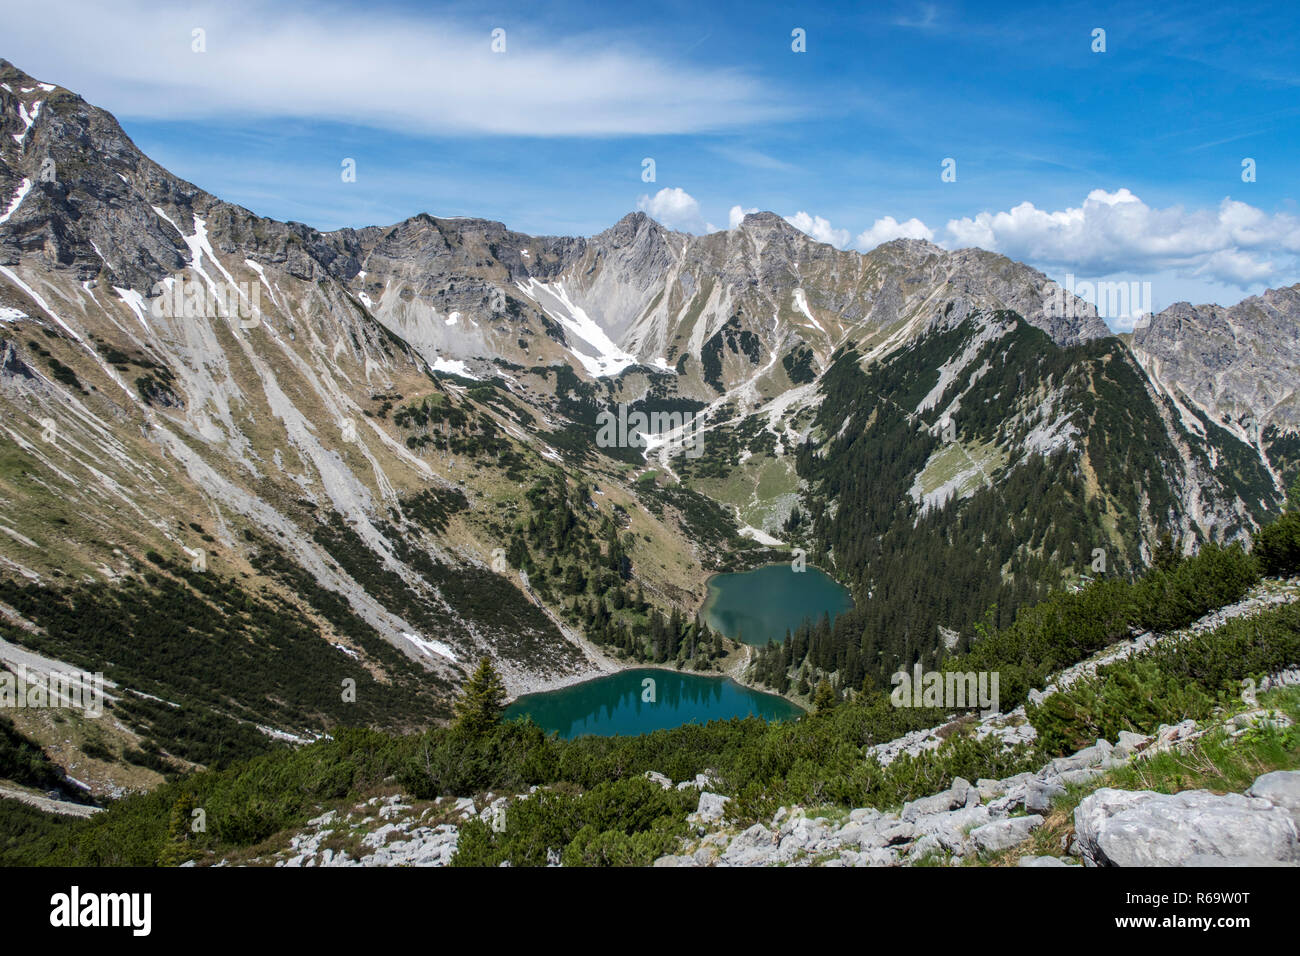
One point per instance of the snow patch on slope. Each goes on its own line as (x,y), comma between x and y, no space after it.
(554,301)
(430,647)
(453,367)
(29,119)
(135,301)
(23,189)
(801,303)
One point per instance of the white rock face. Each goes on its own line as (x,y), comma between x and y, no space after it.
(1214,357)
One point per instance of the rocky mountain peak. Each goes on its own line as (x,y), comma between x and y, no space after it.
(636,229)
(768,223)
(909,248)
(1236,366)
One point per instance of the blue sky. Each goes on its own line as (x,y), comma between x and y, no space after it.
(1118,164)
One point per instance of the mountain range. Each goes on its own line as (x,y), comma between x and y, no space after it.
(244,462)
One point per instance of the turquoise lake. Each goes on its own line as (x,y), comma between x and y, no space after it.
(618,704)
(760,605)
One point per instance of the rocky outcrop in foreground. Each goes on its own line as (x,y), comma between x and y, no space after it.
(963,824)
(968,822)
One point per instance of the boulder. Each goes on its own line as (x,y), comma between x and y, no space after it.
(324,820)
(1002,806)
(1129,744)
(1232,861)
(958,795)
(705,856)
(754,847)
(655,777)
(1171,736)
(1143,828)
(1004,834)
(951,828)
(1082,775)
(887,832)
(1088,757)
(863,815)
(494,814)
(926,845)
(878,856)
(757,835)
(377,838)
(849,835)
(804,834)
(1280,788)
(1043,861)
(711,807)
(1258,719)
(1040,793)
(990,789)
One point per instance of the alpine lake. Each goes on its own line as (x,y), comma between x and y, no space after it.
(751,606)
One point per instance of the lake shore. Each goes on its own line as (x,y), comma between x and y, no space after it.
(733,667)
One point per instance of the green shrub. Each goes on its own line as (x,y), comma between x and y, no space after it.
(1277,546)
(1212,578)
(618,823)
(1171,683)
(23,761)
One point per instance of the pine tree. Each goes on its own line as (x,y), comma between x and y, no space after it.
(481,700)
(179,847)
(825,698)
(1167,552)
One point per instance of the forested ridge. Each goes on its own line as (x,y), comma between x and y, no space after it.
(1035,521)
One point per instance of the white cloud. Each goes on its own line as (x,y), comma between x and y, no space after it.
(819,228)
(377,68)
(883,230)
(677,209)
(926,16)
(1235,243)
(737,215)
